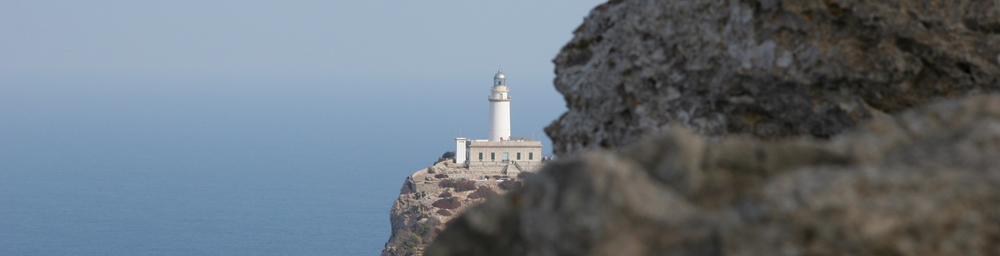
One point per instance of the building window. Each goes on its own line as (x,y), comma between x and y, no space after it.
(506,157)
(493,156)
(518,155)
(480,155)
(531,156)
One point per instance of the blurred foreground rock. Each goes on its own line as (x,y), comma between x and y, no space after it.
(768,68)
(922,182)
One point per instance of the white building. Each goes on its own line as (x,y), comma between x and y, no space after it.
(499,108)
(501,149)
(460,154)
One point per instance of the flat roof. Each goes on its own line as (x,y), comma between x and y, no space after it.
(506,143)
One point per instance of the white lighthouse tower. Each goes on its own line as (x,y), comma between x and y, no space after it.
(501,153)
(499,109)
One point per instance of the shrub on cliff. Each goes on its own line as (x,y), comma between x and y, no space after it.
(441,176)
(465,185)
(424,230)
(509,184)
(445,194)
(449,154)
(448,203)
(483,192)
(459,186)
(447,183)
(446,155)
(412,241)
(444,212)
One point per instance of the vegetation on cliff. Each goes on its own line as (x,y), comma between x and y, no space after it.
(433,196)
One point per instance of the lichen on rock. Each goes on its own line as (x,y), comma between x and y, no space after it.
(768,68)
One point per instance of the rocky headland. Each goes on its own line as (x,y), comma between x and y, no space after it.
(764,127)
(432,196)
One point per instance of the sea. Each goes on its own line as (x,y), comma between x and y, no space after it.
(95,165)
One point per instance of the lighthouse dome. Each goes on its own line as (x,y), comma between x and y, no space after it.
(500,75)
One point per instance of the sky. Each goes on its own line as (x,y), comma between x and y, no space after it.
(435,50)
(354,40)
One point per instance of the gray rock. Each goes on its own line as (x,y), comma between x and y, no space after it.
(920,183)
(812,68)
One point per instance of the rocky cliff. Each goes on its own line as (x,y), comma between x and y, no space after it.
(768,68)
(921,183)
(431,197)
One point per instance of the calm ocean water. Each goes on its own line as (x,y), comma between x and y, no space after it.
(208,167)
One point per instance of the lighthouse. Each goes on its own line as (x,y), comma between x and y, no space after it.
(501,153)
(499,108)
